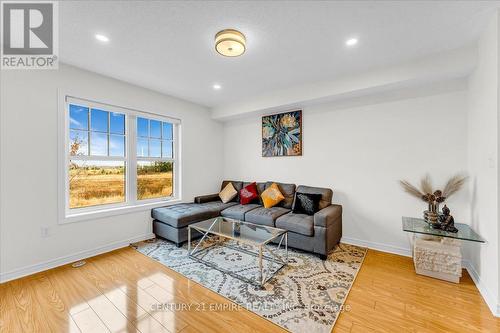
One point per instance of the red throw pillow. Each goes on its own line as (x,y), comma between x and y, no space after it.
(248,194)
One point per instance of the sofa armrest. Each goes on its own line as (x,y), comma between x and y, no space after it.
(327,215)
(206,198)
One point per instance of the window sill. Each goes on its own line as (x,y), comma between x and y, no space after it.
(102,213)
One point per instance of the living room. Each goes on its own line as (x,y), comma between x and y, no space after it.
(248,166)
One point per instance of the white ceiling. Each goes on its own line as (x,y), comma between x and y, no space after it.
(168,46)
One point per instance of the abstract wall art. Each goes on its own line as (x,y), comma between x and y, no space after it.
(282,134)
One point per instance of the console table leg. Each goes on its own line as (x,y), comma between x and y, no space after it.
(438,257)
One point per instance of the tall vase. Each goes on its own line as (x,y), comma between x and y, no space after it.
(432,213)
(434,207)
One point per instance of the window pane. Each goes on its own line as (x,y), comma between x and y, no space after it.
(154,148)
(142,147)
(142,127)
(154,179)
(116,145)
(98,144)
(78,117)
(78,142)
(99,120)
(94,183)
(166,149)
(155,129)
(117,123)
(167,131)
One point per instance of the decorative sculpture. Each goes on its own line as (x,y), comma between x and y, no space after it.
(433,197)
(447,222)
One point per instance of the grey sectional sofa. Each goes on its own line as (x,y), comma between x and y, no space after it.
(317,234)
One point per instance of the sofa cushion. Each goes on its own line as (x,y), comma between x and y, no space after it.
(237,212)
(181,215)
(288,191)
(299,223)
(265,216)
(248,193)
(261,187)
(238,185)
(326,194)
(306,203)
(228,193)
(272,196)
(217,206)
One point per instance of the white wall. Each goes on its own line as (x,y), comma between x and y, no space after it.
(361,153)
(28,119)
(430,70)
(483,160)
(498,160)
(498,157)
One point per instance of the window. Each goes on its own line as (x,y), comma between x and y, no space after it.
(154,158)
(116,157)
(97,162)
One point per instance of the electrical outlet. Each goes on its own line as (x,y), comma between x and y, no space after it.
(44,232)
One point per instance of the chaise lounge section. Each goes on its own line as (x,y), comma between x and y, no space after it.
(318,233)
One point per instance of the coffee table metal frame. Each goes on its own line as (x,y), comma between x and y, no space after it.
(262,247)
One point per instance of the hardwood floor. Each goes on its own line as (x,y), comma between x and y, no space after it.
(388,296)
(121,292)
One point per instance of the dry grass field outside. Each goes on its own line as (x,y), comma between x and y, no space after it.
(106,185)
(154,185)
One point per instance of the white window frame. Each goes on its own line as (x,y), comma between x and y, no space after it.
(153,159)
(67,215)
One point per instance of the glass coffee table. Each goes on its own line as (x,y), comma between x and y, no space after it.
(230,233)
(437,253)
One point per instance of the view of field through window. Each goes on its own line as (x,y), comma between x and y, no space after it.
(92,183)
(154,148)
(154,179)
(96,181)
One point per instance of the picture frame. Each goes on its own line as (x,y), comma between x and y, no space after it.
(282,134)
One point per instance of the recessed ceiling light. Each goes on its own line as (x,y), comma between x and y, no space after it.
(102,38)
(230,43)
(351,42)
(216,86)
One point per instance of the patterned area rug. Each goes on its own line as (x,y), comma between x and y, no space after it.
(307,295)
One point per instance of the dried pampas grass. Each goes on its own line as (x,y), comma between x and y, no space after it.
(426,184)
(412,190)
(427,193)
(453,185)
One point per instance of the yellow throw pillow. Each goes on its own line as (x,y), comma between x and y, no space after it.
(228,193)
(272,196)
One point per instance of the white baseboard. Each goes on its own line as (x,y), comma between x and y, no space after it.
(406,252)
(489,298)
(32,269)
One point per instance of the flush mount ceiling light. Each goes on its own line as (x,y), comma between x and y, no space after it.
(351,42)
(102,38)
(230,43)
(216,86)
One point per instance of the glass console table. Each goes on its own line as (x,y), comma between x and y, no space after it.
(437,253)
